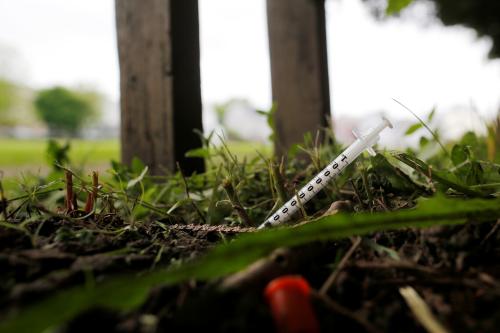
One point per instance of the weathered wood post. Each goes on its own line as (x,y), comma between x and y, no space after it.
(159,54)
(299,69)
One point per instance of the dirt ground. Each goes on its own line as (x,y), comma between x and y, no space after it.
(454,269)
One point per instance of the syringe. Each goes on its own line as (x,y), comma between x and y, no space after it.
(331,171)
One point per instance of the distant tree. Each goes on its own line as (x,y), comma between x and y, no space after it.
(65,111)
(480,15)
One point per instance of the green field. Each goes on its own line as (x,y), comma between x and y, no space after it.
(21,159)
(15,153)
(21,156)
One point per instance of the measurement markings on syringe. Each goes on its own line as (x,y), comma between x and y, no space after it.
(310,188)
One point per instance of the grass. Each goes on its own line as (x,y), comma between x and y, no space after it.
(15,153)
(24,157)
(244,148)
(19,159)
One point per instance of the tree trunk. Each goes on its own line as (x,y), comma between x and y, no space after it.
(299,70)
(158,46)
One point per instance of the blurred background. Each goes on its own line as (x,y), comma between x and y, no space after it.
(58,54)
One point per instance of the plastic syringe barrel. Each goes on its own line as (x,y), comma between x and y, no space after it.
(330,172)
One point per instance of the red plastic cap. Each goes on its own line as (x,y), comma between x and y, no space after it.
(289,298)
(289,282)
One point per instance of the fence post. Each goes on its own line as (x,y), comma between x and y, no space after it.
(299,69)
(159,55)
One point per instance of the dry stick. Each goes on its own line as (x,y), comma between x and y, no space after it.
(186,188)
(17,209)
(369,193)
(336,307)
(421,310)
(92,196)
(95,185)
(235,201)
(331,279)
(69,192)
(356,193)
(392,264)
(346,192)
(279,184)
(382,203)
(75,202)
(45,210)
(3,199)
(438,281)
(492,231)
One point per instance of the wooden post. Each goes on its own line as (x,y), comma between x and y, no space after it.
(299,70)
(159,54)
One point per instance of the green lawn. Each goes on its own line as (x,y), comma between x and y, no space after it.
(14,153)
(17,156)
(21,158)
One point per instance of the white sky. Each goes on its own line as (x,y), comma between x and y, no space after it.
(44,43)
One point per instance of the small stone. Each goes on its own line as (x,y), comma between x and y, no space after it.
(339,206)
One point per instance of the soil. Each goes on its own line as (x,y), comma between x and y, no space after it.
(454,269)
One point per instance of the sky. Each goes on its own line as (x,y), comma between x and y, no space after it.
(73,42)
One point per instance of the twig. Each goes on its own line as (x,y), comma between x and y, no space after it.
(336,307)
(356,193)
(316,153)
(3,199)
(392,264)
(278,182)
(382,203)
(17,209)
(331,279)
(492,231)
(368,190)
(421,310)
(439,281)
(70,196)
(347,192)
(235,201)
(92,196)
(66,217)
(186,188)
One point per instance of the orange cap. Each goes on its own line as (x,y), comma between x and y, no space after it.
(289,298)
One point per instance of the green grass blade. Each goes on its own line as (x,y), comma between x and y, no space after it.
(436,175)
